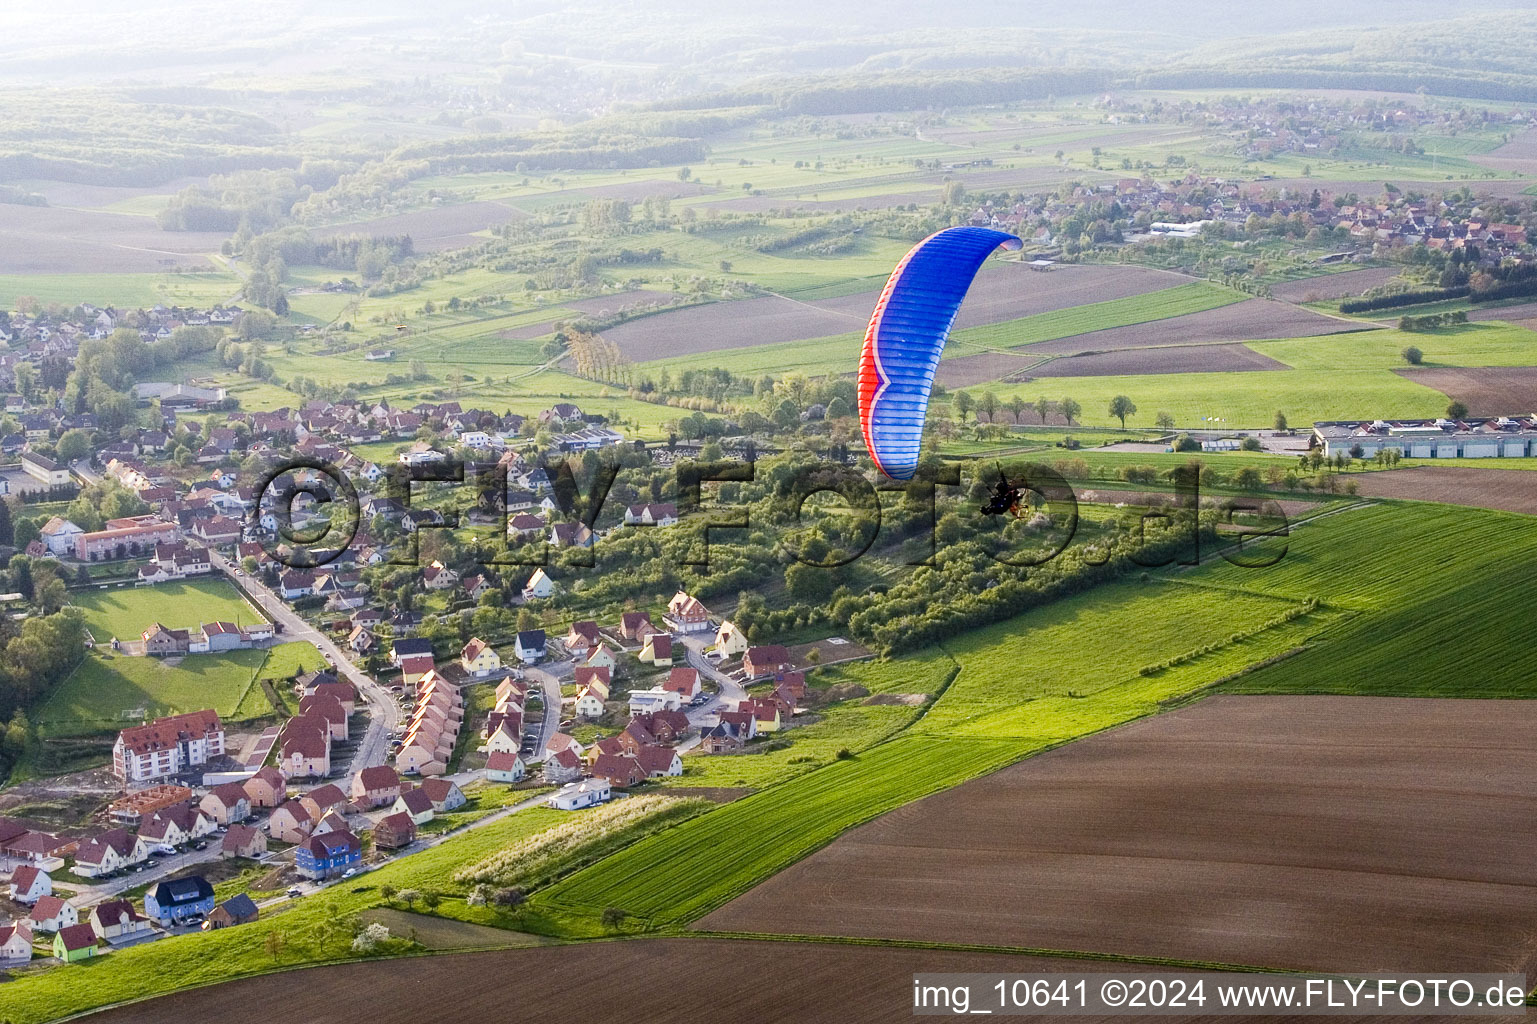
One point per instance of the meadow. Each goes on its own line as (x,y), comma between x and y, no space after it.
(106,684)
(125,612)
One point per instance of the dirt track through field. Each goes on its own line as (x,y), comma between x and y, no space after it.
(1338,833)
(1513,490)
(1002,292)
(1487,391)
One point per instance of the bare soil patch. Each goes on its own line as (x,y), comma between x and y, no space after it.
(907,699)
(761,982)
(433,230)
(1250,320)
(1487,390)
(1002,292)
(1169,359)
(1338,833)
(1333,286)
(54,240)
(1512,490)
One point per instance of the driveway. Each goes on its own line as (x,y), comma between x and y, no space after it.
(383,713)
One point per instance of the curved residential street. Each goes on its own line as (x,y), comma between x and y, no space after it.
(383,713)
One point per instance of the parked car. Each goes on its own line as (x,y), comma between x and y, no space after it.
(295,891)
(349,873)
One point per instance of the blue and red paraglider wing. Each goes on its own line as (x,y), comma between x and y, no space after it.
(907,332)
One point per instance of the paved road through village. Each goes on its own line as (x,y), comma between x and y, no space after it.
(383,713)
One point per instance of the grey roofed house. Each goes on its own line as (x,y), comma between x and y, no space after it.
(405,647)
(179,891)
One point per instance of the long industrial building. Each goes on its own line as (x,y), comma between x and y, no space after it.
(1502,437)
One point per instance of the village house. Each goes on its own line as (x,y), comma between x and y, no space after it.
(601,657)
(619,770)
(179,900)
(30,884)
(767,660)
(375,786)
(76,942)
(539,586)
(577,795)
(328,856)
(723,738)
(167,746)
(267,788)
(529,646)
(227,804)
(657,650)
(246,841)
(505,766)
(592,691)
(15,944)
(581,638)
(110,851)
(683,681)
(238,909)
(409,647)
(306,748)
(445,795)
(730,642)
(322,800)
(631,624)
(175,825)
(563,766)
(479,658)
(51,913)
(116,920)
(394,831)
(686,615)
(416,804)
(660,514)
(290,822)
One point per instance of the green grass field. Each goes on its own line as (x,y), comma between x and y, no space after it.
(125,612)
(132,290)
(93,698)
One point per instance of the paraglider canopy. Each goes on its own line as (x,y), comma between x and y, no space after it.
(907,332)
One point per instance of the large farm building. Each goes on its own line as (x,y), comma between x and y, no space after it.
(1502,437)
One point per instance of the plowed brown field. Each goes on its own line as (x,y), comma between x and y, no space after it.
(1339,833)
